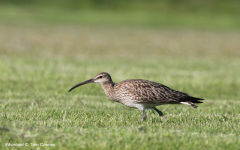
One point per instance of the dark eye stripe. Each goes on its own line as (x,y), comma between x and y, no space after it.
(100,77)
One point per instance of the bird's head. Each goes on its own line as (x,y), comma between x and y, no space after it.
(99,78)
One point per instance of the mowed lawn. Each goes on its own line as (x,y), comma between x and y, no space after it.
(40,63)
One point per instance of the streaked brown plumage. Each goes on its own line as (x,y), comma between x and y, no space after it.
(141,94)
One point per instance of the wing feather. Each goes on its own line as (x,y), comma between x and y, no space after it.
(145,91)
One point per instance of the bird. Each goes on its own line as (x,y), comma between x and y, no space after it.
(141,94)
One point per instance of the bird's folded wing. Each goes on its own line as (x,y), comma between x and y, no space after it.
(148,91)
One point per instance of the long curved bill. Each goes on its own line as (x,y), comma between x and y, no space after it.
(82,83)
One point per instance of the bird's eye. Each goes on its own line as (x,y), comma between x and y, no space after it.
(99,77)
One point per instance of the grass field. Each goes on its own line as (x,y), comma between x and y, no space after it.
(39,63)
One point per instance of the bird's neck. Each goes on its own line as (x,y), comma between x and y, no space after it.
(108,88)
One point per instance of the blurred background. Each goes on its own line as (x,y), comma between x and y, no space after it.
(162,13)
(115,26)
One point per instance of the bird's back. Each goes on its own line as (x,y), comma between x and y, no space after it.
(144,91)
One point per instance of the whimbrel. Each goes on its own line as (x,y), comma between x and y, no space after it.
(141,94)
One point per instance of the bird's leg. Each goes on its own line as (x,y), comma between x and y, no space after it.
(160,114)
(144,115)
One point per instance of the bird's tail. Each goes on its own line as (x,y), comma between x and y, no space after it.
(190,101)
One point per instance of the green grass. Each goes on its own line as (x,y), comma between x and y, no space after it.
(36,107)
(39,64)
